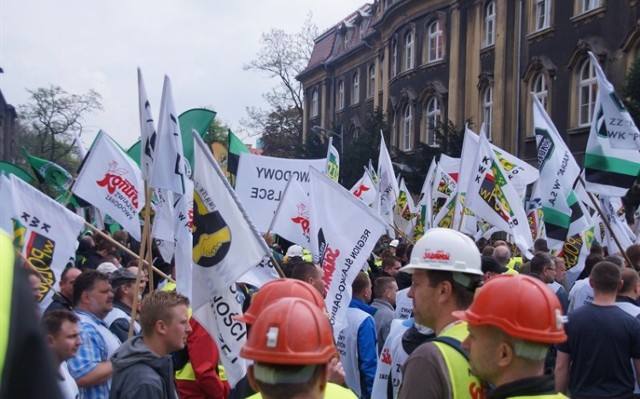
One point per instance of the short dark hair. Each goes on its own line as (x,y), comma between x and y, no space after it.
(389,262)
(86,281)
(361,282)
(304,271)
(63,276)
(381,284)
(52,320)
(591,261)
(615,259)
(461,294)
(605,277)
(629,279)
(540,261)
(157,306)
(540,245)
(105,245)
(633,253)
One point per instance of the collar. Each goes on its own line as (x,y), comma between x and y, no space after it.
(626,299)
(122,306)
(450,325)
(95,319)
(384,303)
(526,387)
(358,304)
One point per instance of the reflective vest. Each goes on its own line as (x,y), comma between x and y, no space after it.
(463,383)
(333,391)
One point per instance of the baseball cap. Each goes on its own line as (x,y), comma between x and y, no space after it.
(394,243)
(489,264)
(120,277)
(107,268)
(294,251)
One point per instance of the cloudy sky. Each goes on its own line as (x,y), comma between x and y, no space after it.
(201,44)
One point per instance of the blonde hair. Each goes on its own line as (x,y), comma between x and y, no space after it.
(157,306)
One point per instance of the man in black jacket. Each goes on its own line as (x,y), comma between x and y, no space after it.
(62,299)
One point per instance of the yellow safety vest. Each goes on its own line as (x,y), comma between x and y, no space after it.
(515,263)
(463,383)
(6,285)
(333,391)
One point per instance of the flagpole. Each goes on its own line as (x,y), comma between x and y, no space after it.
(32,267)
(402,233)
(275,215)
(605,221)
(125,249)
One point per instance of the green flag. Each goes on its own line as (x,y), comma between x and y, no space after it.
(7,168)
(197,119)
(49,172)
(236,147)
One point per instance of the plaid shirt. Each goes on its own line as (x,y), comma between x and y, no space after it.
(92,352)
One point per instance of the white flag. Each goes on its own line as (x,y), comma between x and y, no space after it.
(611,206)
(343,234)
(424,207)
(183,210)
(291,220)
(225,243)
(405,210)
(617,122)
(388,186)
(365,189)
(492,197)
(45,232)
(333,161)
(111,181)
(170,167)
(148,134)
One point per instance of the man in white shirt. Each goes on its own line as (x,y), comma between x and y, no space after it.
(63,337)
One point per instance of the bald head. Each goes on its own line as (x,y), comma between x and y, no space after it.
(502,255)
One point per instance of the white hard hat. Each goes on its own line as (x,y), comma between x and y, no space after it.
(295,251)
(445,250)
(394,243)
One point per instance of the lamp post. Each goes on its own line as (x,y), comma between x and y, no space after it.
(318,129)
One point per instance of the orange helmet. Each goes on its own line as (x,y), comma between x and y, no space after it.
(277,289)
(521,306)
(291,331)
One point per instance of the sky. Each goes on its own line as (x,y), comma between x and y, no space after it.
(201,45)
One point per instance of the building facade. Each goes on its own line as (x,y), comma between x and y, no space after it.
(8,118)
(426,62)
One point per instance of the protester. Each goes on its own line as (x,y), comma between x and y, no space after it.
(627,300)
(63,298)
(508,340)
(97,253)
(107,268)
(633,253)
(582,293)
(543,268)
(595,361)
(446,270)
(502,255)
(291,362)
(311,274)
(63,337)
(385,290)
(123,285)
(35,283)
(142,366)
(91,367)
(490,267)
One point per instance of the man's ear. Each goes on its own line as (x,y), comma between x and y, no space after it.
(160,327)
(49,339)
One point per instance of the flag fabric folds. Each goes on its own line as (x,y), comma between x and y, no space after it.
(148,135)
(343,233)
(236,147)
(365,189)
(333,161)
(111,181)
(387,183)
(7,168)
(291,220)
(49,172)
(44,232)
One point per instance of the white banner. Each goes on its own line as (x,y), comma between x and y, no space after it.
(45,232)
(343,234)
(261,181)
(365,189)
(291,221)
(112,182)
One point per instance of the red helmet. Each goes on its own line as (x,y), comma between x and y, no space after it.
(521,306)
(277,289)
(291,331)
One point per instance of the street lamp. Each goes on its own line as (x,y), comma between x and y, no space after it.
(318,129)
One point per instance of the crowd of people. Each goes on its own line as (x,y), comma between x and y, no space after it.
(444,318)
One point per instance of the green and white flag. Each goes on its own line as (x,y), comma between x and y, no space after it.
(333,161)
(618,124)
(49,172)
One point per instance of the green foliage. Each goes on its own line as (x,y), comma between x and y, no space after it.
(218,132)
(631,92)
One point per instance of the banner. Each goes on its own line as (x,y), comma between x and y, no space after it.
(291,220)
(111,181)
(333,161)
(225,244)
(343,234)
(387,183)
(405,211)
(44,232)
(261,181)
(365,189)
(49,172)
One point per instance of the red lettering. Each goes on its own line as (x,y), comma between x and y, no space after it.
(113,182)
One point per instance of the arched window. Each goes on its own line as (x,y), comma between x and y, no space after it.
(543,14)
(372,81)
(340,94)
(432,120)
(314,103)
(487,109)
(587,91)
(540,89)
(407,124)
(490,23)
(434,49)
(394,58)
(355,92)
(408,51)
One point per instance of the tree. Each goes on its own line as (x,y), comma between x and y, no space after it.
(51,120)
(282,56)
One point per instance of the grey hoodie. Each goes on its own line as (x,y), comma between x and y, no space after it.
(141,374)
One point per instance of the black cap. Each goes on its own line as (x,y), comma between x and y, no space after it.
(489,264)
(121,276)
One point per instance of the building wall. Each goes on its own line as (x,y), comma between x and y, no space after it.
(7,130)
(520,51)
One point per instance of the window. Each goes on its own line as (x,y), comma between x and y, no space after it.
(539,88)
(587,90)
(543,14)
(372,81)
(408,51)
(394,58)
(314,103)
(434,49)
(355,93)
(432,120)
(394,130)
(407,123)
(588,5)
(487,109)
(340,94)
(490,24)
